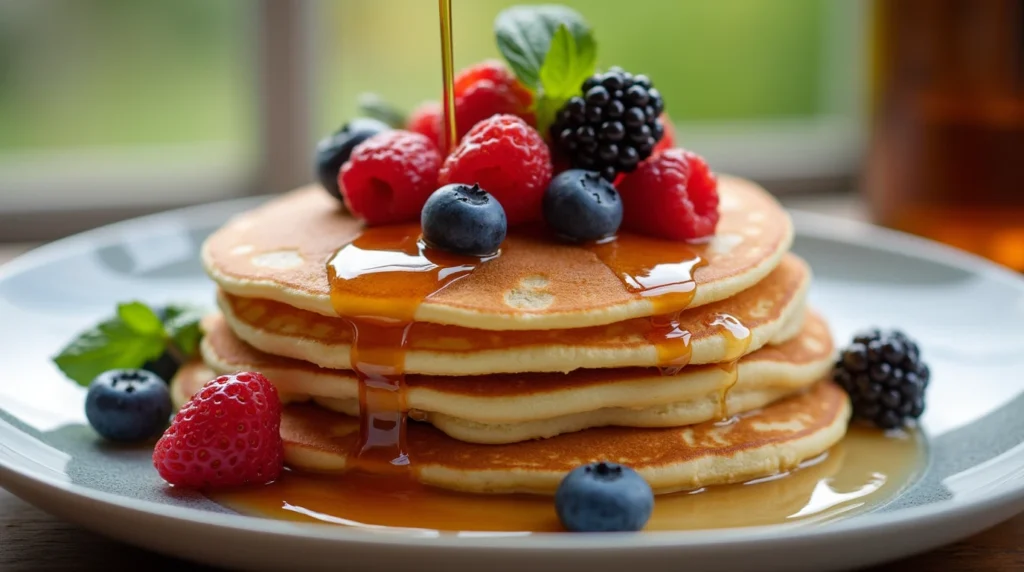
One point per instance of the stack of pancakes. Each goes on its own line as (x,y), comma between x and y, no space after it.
(545,357)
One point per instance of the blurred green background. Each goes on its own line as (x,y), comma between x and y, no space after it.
(102,73)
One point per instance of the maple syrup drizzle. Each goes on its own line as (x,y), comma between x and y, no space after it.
(377,283)
(737,342)
(381,278)
(449,137)
(661,272)
(658,270)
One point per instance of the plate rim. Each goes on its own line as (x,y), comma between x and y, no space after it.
(1010,493)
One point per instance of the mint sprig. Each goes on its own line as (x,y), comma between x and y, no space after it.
(552,51)
(135,335)
(182,324)
(564,69)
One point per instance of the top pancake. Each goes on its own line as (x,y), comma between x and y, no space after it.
(280,251)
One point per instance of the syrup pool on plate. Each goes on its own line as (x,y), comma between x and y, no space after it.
(862,472)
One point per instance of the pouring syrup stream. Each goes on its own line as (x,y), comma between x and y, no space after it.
(449,134)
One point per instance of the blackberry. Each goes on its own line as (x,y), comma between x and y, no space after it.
(885,377)
(612,126)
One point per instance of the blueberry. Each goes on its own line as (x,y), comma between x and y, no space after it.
(464,219)
(603,497)
(581,205)
(128,404)
(332,151)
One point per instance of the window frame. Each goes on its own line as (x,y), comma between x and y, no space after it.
(818,153)
(87,188)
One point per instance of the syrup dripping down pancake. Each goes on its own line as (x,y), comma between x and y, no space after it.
(280,251)
(516,407)
(771,310)
(757,444)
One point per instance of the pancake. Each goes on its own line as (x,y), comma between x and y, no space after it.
(771,310)
(515,407)
(757,444)
(280,251)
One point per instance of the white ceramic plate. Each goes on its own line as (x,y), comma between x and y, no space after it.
(967,314)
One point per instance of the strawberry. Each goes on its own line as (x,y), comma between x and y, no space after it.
(228,434)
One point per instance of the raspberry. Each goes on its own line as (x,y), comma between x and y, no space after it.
(668,139)
(509,160)
(426,120)
(485,89)
(227,435)
(671,195)
(389,177)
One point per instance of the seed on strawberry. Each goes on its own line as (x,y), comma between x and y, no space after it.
(228,434)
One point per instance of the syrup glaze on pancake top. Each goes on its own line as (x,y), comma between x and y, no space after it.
(516,407)
(280,250)
(772,310)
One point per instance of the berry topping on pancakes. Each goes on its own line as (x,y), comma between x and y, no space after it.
(580,205)
(613,125)
(390,176)
(672,195)
(506,156)
(464,219)
(335,149)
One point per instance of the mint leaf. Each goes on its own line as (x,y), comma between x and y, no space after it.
(567,65)
(110,345)
(140,318)
(524,36)
(183,327)
(374,106)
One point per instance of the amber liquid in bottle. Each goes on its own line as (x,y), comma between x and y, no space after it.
(947,152)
